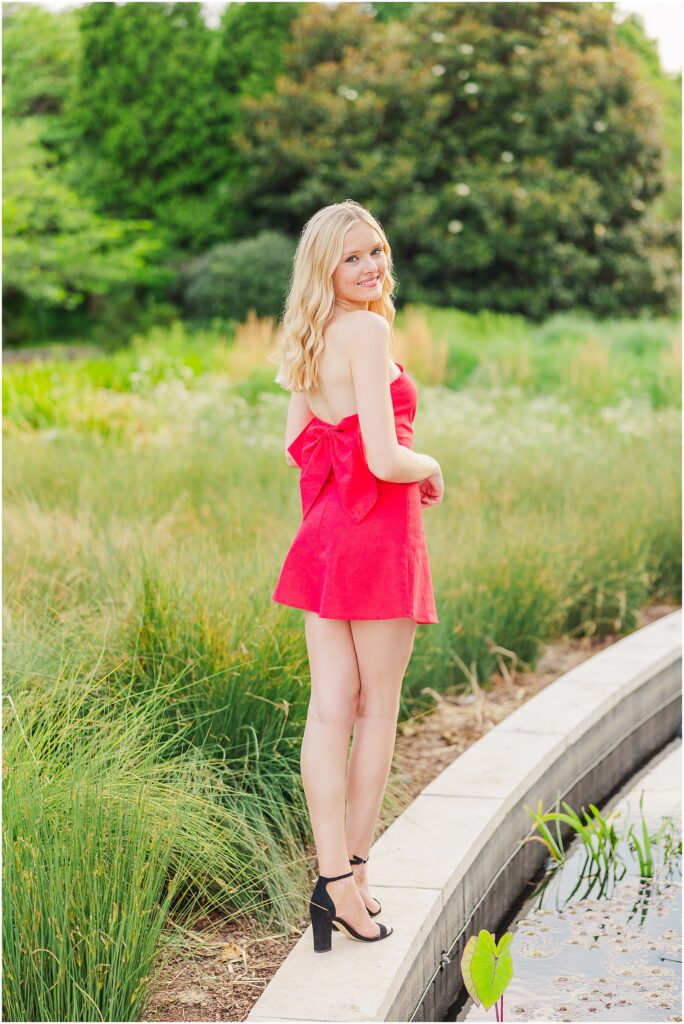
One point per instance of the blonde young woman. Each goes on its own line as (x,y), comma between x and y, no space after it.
(358,565)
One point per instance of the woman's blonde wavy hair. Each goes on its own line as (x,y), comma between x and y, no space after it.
(311,294)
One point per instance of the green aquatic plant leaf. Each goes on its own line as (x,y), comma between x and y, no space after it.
(491,967)
(644,852)
(605,828)
(597,827)
(555,849)
(466,961)
(574,821)
(647,839)
(639,853)
(548,843)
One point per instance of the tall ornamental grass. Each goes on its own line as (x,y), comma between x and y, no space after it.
(109,833)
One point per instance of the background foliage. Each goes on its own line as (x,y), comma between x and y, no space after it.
(521,157)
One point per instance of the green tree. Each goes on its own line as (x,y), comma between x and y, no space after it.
(630,30)
(58,252)
(61,259)
(249,52)
(389,11)
(249,57)
(39,61)
(152,129)
(39,55)
(512,152)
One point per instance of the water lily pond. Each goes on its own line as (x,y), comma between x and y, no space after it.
(590,944)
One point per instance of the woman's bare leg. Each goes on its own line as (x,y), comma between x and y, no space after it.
(332,710)
(383,649)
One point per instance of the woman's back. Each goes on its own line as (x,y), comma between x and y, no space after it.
(334,398)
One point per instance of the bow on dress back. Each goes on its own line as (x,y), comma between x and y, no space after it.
(322,447)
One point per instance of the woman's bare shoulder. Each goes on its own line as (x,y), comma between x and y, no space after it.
(348,325)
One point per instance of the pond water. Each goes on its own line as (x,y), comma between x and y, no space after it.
(595,945)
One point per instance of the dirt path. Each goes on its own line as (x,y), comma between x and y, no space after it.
(232,963)
(55,351)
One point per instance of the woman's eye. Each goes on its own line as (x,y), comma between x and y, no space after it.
(379,249)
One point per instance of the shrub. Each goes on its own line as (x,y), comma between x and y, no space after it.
(232,278)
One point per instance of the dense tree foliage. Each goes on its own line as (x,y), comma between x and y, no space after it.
(510,150)
(152,130)
(668,205)
(249,57)
(158,103)
(521,156)
(39,59)
(61,257)
(58,250)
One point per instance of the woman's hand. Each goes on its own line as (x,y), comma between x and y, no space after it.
(431,489)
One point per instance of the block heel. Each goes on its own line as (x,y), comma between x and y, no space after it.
(322,925)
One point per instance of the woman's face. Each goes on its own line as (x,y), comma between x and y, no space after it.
(363,257)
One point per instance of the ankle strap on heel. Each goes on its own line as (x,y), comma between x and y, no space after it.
(333,878)
(358,860)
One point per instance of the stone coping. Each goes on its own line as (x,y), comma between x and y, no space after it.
(445,867)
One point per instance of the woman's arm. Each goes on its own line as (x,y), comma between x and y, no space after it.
(298,415)
(367,343)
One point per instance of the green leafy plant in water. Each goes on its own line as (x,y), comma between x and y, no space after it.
(667,840)
(596,832)
(487,968)
(600,838)
(555,848)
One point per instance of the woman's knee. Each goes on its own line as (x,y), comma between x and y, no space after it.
(338,708)
(383,649)
(379,702)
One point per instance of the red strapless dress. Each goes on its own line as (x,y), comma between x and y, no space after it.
(360,551)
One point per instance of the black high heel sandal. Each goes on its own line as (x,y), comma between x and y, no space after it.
(359,860)
(324,914)
(373,913)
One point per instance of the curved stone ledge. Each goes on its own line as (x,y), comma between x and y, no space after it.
(453,862)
